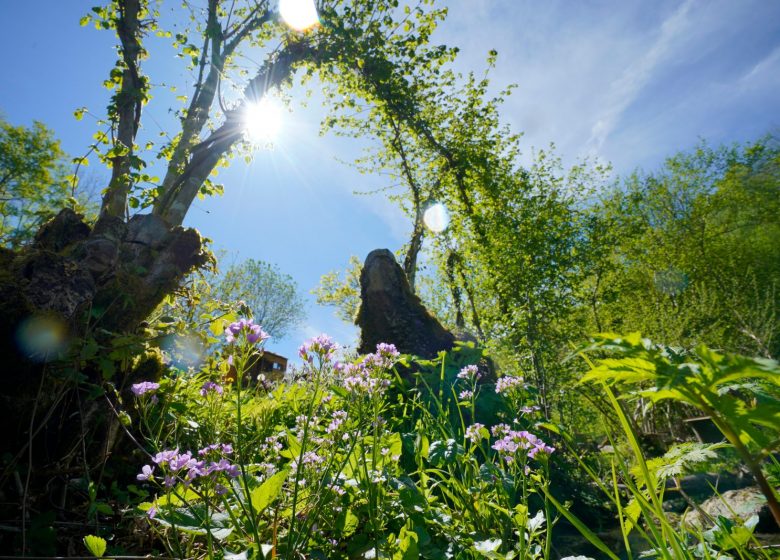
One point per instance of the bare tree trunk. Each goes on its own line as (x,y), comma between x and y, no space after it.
(415,244)
(455,291)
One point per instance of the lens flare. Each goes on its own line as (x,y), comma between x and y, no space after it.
(42,339)
(436,218)
(670,282)
(184,350)
(299,14)
(263,120)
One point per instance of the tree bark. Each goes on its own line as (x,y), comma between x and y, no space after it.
(74,283)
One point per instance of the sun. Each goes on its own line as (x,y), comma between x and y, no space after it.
(436,217)
(263,120)
(299,14)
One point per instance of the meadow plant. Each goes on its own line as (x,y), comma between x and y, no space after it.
(347,459)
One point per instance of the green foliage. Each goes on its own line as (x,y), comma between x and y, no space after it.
(327,463)
(32,181)
(343,293)
(262,496)
(95,545)
(741,395)
(688,254)
(270,296)
(723,386)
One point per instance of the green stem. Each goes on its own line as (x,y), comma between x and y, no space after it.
(753,466)
(249,508)
(291,539)
(669,536)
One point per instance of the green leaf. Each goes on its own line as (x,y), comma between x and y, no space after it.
(489,549)
(407,545)
(194,520)
(268,491)
(95,545)
(347,523)
(444,453)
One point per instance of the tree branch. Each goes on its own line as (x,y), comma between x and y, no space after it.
(127,107)
(175,201)
(203,98)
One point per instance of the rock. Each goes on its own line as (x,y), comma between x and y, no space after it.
(743,504)
(390,312)
(701,486)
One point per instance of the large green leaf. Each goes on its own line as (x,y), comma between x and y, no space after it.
(346,523)
(264,495)
(95,545)
(196,521)
(407,545)
(445,452)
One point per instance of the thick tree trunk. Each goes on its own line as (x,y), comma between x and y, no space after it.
(73,282)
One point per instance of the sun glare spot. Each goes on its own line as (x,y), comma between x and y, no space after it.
(263,120)
(436,218)
(299,14)
(42,338)
(184,350)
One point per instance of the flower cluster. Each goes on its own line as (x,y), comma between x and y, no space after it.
(322,346)
(309,458)
(507,383)
(272,445)
(254,333)
(210,387)
(175,464)
(339,417)
(513,441)
(139,389)
(474,432)
(385,357)
(224,448)
(368,375)
(361,379)
(469,373)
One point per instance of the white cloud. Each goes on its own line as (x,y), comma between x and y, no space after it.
(767,68)
(624,90)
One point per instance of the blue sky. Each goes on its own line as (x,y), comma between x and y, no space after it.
(626,82)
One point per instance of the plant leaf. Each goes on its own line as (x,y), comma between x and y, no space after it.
(95,545)
(262,496)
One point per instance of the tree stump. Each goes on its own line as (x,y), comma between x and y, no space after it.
(390,312)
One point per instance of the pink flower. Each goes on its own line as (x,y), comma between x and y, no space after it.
(508,383)
(144,387)
(146,473)
(210,387)
(469,372)
(164,456)
(254,333)
(474,432)
(322,346)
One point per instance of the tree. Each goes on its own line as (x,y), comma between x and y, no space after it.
(271,296)
(97,281)
(342,291)
(32,181)
(509,259)
(126,264)
(691,251)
